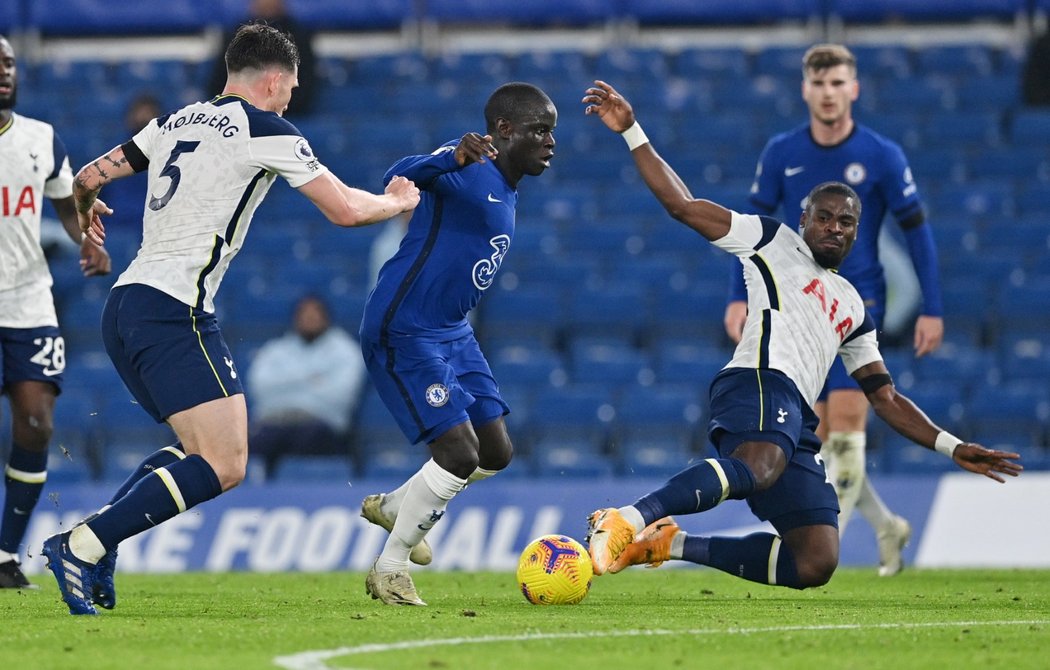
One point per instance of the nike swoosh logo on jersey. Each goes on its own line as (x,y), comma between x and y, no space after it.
(493,198)
(792,171)
(51,373)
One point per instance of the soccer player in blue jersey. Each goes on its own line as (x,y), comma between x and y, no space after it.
(802,315)
(832,146)
(33,166)
(210,164)
(417,342)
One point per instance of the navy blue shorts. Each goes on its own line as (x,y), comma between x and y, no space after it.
(171,356)
(32,354)
(431,387)
(748,405)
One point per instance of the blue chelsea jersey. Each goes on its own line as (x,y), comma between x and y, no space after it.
(875,167)
(456,241)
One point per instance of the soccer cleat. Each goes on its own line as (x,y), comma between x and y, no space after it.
(893,537)
(371,509)
(75,577)
(104,591)
(11,577)
(607,536)
(652,546)
(392,588)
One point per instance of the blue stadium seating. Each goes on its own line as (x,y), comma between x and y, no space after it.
(867,11)
(594,254)
(533,13)
(331,14)
(99,17)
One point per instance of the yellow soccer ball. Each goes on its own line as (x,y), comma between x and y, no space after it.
(554,570)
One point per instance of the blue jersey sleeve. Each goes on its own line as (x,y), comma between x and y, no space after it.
(767,189)
(424,170)
(897,184)
(923,254)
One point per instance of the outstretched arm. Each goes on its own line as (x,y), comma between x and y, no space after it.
(349,207)
(705,217)
(908,420)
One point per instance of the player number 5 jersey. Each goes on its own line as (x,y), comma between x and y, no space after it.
(210,165)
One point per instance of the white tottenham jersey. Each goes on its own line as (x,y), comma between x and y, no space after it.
(33,166)
(210,165)
(800,315)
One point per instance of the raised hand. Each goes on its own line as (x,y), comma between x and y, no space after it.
(611,107)
(474,148)
(987,462)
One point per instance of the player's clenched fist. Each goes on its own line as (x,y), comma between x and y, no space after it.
(404,191)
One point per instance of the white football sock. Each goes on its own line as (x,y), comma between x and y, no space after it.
(423,505)
(392,501)
(479,474)
(871,506)
(846,470)
(85,545)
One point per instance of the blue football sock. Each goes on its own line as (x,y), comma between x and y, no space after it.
(748,557)
(24,479)
(698,488)
(156,498)
(158,459)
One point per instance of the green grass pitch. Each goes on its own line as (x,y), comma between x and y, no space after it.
(637,620)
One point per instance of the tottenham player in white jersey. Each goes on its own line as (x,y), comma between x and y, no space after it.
(801,314)
(210,164)
(33,166)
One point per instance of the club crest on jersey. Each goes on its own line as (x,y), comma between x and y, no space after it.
(437,395)
(854,174)
(485,269)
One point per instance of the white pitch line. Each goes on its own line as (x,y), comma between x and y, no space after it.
(315,660)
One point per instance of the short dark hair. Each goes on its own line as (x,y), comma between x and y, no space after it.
(822,56)
(514,101)
(260,46)
(833,187)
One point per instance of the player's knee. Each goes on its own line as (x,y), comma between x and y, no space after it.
(33,431)
(460,457)
(815,570)
(230,472)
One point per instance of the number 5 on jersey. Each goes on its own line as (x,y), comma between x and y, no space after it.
(172,172)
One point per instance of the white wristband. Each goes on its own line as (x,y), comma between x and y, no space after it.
(946,443)
(634,136)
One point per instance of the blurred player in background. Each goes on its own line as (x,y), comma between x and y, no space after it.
(832,147)
(210,165)
(803,316)
(33,166)
(418,344)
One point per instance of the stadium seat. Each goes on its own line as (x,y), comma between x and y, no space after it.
(312,469)
(874,11)
(609,363)
(653,457)
(514,12)
(99,17)
(560,457)
(1030,127)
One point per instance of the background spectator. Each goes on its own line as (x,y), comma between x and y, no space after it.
(304,388)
